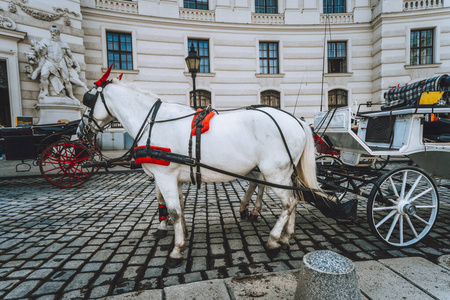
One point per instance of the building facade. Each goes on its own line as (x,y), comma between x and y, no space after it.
(301,55)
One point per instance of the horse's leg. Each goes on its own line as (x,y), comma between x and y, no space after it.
(162,228)
(168,185)
(289,231)
(180,193)
(258,203)
(287,206)
(246,200)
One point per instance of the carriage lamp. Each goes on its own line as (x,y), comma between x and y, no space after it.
(193,64)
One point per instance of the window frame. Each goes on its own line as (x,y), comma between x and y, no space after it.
(120,52)
(344,65)
(269,93)
(268,58)
(198,98)
(265,7)
(202,57)
(196,6)
(124,29)
(420,47)
(334,7)
(335,105)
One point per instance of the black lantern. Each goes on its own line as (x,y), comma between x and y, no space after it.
(193,64)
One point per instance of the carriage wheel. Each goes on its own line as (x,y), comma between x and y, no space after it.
(329,162)
(62,163)
(404,208)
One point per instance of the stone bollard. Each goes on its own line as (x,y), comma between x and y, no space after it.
(327,275)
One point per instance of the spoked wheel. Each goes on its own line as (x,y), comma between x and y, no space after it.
(327,163)
(62,163)
(404,208)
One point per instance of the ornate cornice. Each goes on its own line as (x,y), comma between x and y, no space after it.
(6,22)
(60,12)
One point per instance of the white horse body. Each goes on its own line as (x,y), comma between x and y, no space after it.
(237,142)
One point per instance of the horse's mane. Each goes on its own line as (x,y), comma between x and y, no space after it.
(133,87)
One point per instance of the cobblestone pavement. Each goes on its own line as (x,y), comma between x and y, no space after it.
(96,240)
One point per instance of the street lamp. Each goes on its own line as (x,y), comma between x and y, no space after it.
(193,64)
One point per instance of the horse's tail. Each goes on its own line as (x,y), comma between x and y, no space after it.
(306,168)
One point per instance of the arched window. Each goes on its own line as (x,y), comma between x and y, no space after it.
(270,97)
(203,98)
(337,98)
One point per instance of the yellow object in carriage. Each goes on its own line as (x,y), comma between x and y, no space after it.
(430,98)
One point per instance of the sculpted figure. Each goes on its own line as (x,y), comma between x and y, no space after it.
(54,61)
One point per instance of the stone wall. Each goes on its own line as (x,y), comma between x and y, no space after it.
(35,17)
(376,32)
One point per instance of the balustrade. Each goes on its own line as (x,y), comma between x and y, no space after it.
(115,5)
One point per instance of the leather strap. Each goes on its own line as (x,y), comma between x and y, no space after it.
(198,135)
(198,124)
(154,110)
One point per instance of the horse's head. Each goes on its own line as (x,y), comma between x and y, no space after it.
(97,115)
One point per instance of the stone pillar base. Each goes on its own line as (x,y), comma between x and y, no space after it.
(326,275)
(52,109)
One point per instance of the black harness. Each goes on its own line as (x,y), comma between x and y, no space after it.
(198,134)
(89,100)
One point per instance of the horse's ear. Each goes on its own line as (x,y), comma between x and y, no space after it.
(120,76)
(104,77)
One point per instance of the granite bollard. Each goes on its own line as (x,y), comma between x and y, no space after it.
(327,275)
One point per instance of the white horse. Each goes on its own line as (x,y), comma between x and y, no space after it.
(236,142)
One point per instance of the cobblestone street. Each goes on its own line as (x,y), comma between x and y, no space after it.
(96,240)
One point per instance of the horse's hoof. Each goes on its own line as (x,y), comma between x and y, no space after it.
(252,218)
(159,234)
(272,253)
(244,214)
(285,247)
(173,262)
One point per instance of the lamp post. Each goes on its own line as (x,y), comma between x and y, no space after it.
(193,64)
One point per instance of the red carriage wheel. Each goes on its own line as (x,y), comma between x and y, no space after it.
(62,163)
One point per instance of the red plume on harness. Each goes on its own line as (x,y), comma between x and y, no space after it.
(120,76)
(105,76)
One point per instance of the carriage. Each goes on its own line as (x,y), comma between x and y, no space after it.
(60,160)
(403,202)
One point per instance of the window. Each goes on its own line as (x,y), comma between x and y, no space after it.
(268,58)
(422,47)
(120,51)
(202,48)
(337,57)
(334,6)
(337,98)
(203,98)
(271,98)
(266,6)
(196,4)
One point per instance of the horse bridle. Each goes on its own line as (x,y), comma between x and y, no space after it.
(89,100)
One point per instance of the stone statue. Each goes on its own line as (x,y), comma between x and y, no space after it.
(54,62)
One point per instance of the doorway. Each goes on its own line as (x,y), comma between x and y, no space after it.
(5,109)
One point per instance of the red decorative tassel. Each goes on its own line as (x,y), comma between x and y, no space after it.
(104,77)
